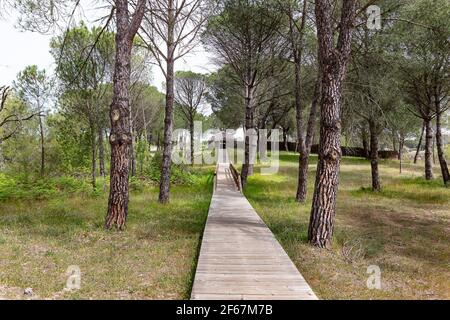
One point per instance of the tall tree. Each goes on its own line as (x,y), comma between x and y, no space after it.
(189,95)
(39,14)
(296,34)
(332,65)
(417,86)
(245,36)
(140,81)
(171,31)
(84,77)
(120,137)
(373,93)
(272,100)
(426,65)
(147,112)
(34,86)
(440,111)
(223,94)
(419,144)
(42,16)
(404,125)
(11,119)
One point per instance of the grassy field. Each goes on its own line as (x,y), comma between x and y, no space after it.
(405,230)
(154,258)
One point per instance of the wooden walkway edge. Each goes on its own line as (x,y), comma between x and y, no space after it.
(240,259)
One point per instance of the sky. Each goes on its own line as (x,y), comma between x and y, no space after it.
(20,49)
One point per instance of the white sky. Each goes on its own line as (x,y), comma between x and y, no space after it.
(20,49)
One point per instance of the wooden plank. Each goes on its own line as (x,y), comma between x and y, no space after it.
(214,296)
(239,257)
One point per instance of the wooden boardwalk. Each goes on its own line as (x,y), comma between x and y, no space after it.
(240,259)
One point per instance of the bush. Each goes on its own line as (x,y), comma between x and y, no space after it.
(179,173)
(27,187)
(136,184)
(17,187)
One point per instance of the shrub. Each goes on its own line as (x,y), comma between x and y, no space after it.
(136,184)
(179,173)
(43,188)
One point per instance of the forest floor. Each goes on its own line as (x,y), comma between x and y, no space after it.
(154,258)
(405,230)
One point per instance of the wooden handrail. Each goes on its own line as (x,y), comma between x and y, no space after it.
(215,176)
(236,177)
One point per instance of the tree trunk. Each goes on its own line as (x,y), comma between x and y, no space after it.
(101,153)
(119,114)
(149,140)
(303,156)
(401,143)
(394,142)
(141,162)
(94,158)
(376,186)
(247,167)
(312,116)
(132,149)
(132,156)
(297,47)
(440,146)
(41,131)
(419,145)
(191,134)
(158,142)
(305,147)
(285,142)
(333,65)
(327,175)
(434,150)
(365,146)
(164,184)
(428,150)
(302,175)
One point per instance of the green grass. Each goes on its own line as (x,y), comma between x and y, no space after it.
(17,187)
(154,258)
(404,230)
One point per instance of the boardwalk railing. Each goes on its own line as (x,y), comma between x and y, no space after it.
(215,176)
(236,177)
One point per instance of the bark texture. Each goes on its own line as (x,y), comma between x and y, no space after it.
(440,146)
(247,166)
(191,136)
(428,150)
(333,64)
(132,149)
(374,132)
(164,183)
(101,153)
(305,147)
(42,138)
(419,145)
(313,115)
(365,145)
(401,144)
(120,137)
(297,50)
(94,158)
(303,156)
